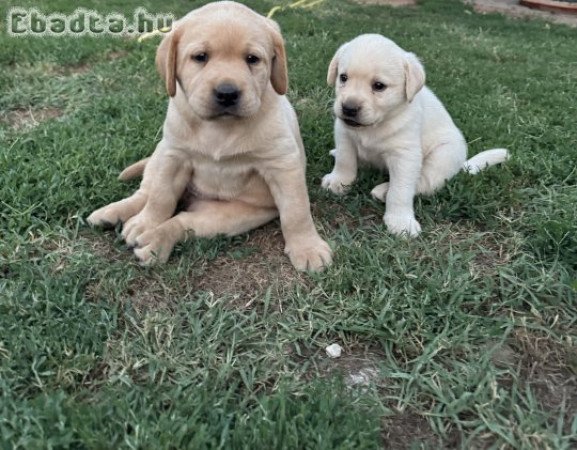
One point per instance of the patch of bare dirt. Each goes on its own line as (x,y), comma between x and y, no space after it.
(146,292)
(82,68)
(337,216)
(546,367)
(562,6)
(242,274)
(407,429)
(24,119)
(355,365)
(102,244)
(550,370)
(359,368)
(388,2)
(150,292)
(512,8)
(247,273)
(75,69)
(492,250)
(116,54)
(62,250)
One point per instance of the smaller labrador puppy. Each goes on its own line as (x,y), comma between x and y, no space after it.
(231,144)
(386,117)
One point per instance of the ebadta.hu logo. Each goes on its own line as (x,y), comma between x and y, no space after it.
(83,22)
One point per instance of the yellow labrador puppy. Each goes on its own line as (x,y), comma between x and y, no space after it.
(230,139)
(385,116)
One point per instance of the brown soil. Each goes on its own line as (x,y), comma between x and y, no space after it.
(404,430)
(387,2)
(242,275)
(19,119)
(76,69)
(248,277)
(551,5)
(550,370)
(512,8)
(547,368)
(116,54)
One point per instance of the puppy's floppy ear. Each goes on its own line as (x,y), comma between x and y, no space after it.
(166,60)
(414,76)
(334,66)
(279,71)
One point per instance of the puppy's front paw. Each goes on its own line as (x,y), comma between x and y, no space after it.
(312,254)
(380,192)
(137,226)
(107,216)
(121,211)
(154,246)
(402,224)
(336,183)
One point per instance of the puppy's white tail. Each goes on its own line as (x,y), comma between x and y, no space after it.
(485,159)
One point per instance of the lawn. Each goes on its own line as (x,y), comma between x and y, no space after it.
(465,337)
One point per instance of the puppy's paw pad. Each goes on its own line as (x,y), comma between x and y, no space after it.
(313,256)
(380,192)
(402,225)
(335,183)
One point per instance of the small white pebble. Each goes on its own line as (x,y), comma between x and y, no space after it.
(363,377)
(334,350)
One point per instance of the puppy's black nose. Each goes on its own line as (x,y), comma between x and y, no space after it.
(226,94)
(350,109)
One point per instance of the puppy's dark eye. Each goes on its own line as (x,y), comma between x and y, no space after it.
(378,86)
(251,59)
(343,77)
(200,57)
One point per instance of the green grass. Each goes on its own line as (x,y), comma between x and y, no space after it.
(469,331)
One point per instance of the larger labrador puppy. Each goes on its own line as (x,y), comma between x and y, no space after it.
(388,118)
(230,138)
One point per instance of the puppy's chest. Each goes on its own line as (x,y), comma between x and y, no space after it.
(221,179)
(218,145)
(223,163)
(371,151)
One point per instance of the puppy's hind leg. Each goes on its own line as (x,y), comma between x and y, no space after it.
(379,192)
(207,218)
(440,165)
(121,211)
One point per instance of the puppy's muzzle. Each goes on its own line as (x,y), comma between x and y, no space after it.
(350,109)
(227,95)
(349,113)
